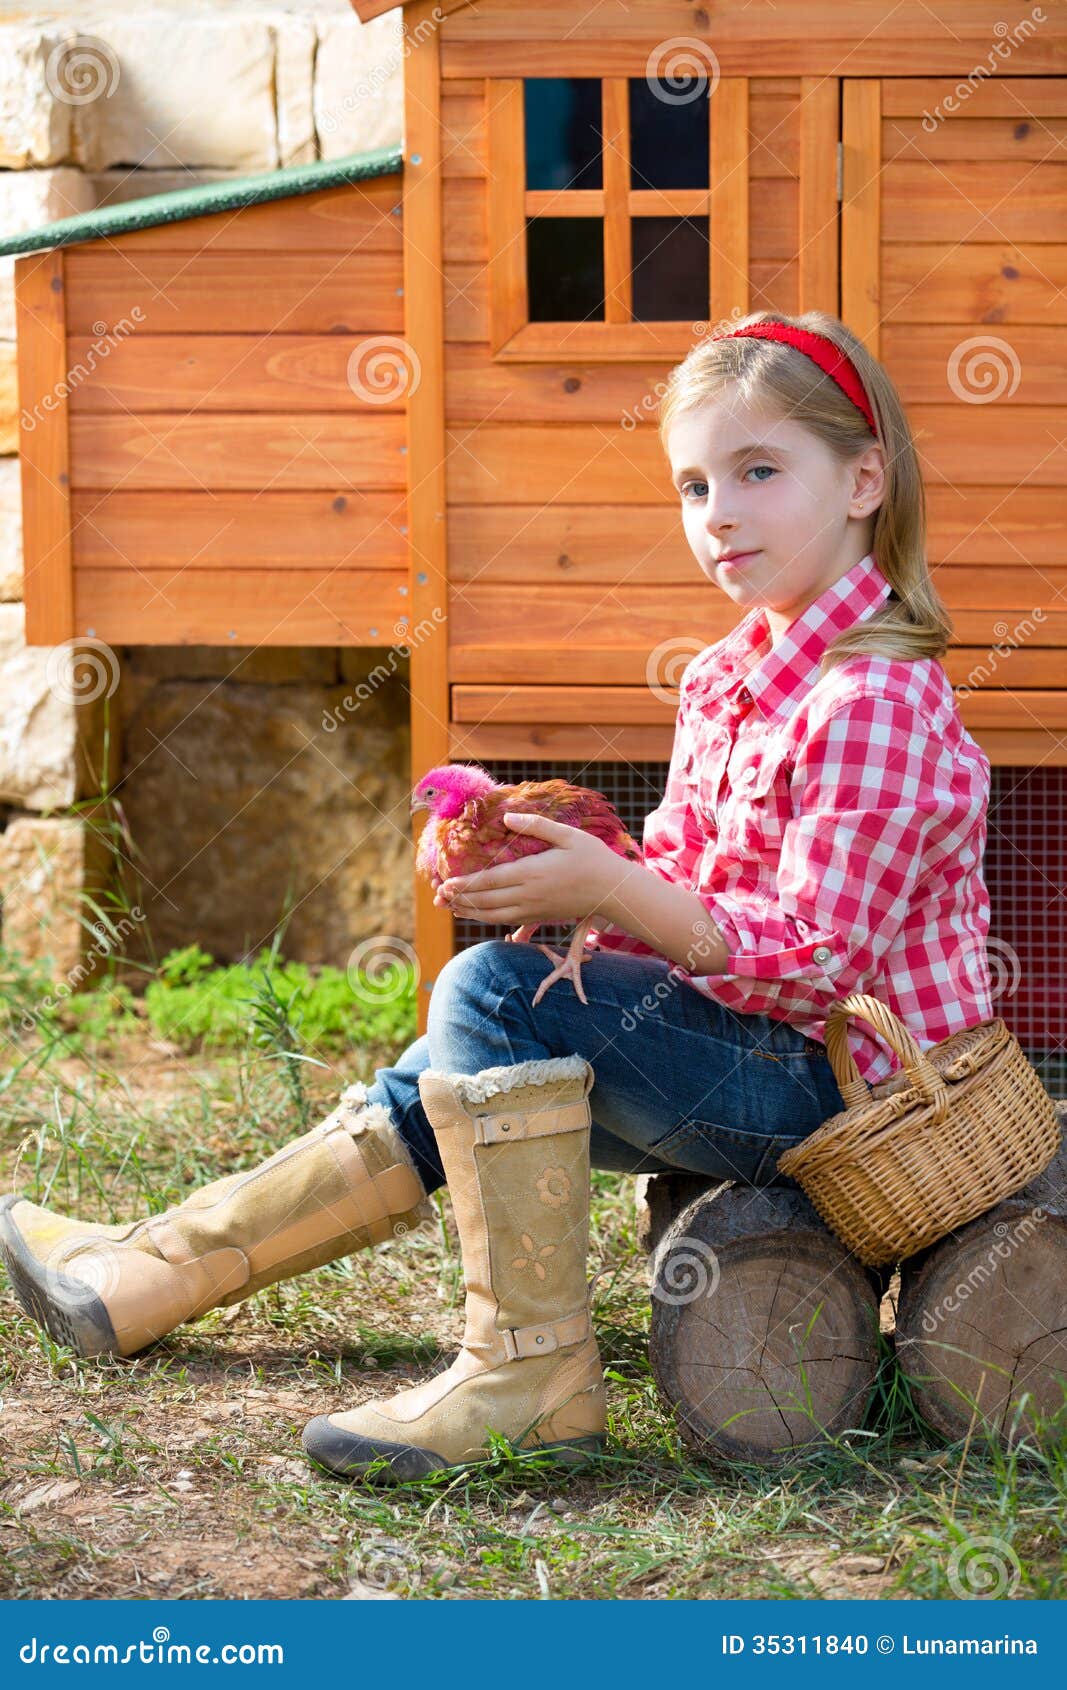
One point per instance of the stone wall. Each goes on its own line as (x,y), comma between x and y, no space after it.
(230,794)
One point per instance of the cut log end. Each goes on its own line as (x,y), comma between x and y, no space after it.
(982,1319)
(764,1334)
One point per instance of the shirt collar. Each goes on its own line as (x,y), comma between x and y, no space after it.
(778,678)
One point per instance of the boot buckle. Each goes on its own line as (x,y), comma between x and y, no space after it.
(521,1342)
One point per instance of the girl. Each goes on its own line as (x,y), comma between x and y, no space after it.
(821,832)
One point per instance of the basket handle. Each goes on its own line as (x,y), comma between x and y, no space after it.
(850,1083)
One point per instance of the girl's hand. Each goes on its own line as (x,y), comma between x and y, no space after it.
(563,884)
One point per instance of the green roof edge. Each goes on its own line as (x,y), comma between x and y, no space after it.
(228,194)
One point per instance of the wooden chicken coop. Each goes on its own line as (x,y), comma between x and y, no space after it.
(583,189)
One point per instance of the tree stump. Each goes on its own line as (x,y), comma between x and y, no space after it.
(764,1335)
(982,1316)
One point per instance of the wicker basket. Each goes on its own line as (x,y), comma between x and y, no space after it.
(971,1126)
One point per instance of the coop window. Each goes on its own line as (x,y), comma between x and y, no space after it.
(604,199)
(565,268)
(669,133)
(564,146)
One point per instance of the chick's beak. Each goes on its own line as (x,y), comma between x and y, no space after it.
(417,804)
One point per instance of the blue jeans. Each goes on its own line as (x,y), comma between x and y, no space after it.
(680,1081)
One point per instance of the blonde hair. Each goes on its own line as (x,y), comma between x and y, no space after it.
(913,623)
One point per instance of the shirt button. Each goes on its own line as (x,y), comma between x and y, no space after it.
(821,953)
(749,774)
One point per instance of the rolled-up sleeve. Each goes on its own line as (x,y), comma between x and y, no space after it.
(875,814)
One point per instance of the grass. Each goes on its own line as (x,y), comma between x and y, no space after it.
(181,1473)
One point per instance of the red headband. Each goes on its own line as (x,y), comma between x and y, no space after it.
(826,354)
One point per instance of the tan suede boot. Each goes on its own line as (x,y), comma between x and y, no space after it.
(347,1183)
(514,1144)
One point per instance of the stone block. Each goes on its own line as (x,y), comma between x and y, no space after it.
(54,708)
(51,871)
(10,530)
(35,115)
(359,84)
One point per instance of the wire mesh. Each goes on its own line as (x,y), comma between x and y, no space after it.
(1025,869)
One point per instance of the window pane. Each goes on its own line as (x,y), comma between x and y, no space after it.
(670,269)
(563,136)
(669,133)
(565,269)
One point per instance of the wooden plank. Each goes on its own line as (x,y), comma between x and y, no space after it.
(728,246)
(602,664)
(554,744)
(991,96)
(597,21)
(583,463)
(464,144)
(246,607)
(505,230)
(567,543)
(638,706)
(114,293)
(557,744)
(958,444)
(994,546)
(634,706)
(232,372)
(817,234)
(520,615)
(309,449)
(973,140)
(477,386)
(366,215)
(618,201)
(784,55)
(1020,366)
(861,210)
(980,282)
(423,270)
(44,446)
(1011,200)
(239,531)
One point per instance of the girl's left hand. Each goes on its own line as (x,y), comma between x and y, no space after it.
(565,883)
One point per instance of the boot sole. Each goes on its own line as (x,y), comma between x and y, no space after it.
(70,1311)
(347,1454)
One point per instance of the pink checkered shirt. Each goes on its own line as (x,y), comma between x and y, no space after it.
(834,829)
